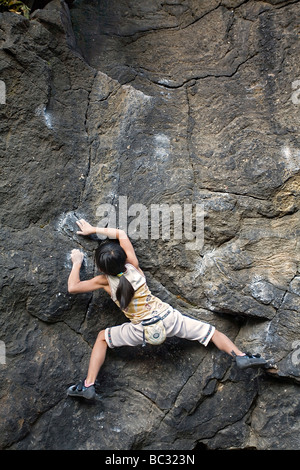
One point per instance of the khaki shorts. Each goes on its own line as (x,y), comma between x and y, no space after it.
(176,324)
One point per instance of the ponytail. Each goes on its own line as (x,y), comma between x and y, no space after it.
(110,259)
(124,292)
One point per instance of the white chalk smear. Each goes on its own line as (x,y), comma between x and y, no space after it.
(291,158)
(42,111)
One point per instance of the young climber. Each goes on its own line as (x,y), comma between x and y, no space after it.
(125,282)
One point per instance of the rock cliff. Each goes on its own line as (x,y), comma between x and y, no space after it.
(184,102)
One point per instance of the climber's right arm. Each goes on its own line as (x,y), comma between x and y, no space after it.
(88,229)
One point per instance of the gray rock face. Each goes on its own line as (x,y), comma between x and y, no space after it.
(193,102)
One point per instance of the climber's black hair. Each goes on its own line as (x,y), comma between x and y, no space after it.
(110,259)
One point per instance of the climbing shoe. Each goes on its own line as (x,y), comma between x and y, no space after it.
(250,360)
(80,390)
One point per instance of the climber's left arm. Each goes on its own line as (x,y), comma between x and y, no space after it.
(75,285)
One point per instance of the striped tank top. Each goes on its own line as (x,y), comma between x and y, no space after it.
(143,304)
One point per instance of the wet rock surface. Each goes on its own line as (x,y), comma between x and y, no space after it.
(184,102)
